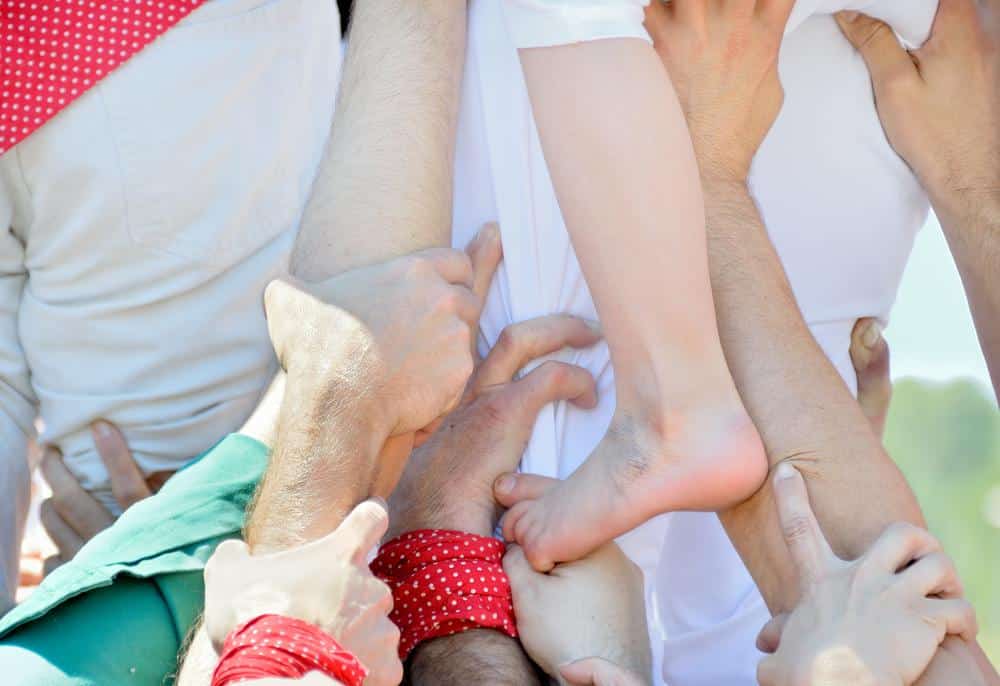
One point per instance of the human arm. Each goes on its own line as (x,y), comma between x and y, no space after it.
(448,482)
(812,422)
(940,108)
(802,408)
(384,185)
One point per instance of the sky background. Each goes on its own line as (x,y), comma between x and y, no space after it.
(931,334)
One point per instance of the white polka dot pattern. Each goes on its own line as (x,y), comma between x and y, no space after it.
(53,51)
(444,583)
(277,646)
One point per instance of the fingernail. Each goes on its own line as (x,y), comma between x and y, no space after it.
(102,428)
(490,232)
(381,502)
(872,335)
(594,326)
(505,484)
(784,471)
(848,16)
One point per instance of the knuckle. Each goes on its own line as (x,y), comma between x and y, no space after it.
(508,340)
(796,527)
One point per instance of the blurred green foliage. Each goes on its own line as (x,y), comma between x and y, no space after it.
(946,439)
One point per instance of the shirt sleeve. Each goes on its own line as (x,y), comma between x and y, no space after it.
(546,23)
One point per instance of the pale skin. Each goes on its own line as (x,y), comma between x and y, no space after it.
(954,150)
(876,621)
(626,179)
(843,463)
(397,55)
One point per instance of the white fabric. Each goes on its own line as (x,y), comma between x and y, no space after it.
(147,219)
(545,23)
(842,210)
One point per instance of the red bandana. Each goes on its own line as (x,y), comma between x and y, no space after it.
(443,583)
(276,646)
(53,51)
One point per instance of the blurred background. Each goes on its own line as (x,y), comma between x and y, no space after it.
(944,427)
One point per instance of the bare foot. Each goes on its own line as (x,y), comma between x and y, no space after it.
(707,461)
(870,355)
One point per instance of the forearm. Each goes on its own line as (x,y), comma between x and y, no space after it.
(626,179)
(972,226)
(800,405)
(384,186)
(493,658)
(311,483)
(383,190)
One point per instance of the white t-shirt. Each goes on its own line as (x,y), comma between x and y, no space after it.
(842,210)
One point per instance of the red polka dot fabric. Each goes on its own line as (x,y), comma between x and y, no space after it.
(53,51)
(444,583)
(276,646)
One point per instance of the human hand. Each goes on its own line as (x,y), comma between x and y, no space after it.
(870,356)
(953,664)
(394,339)
(940,104)
(877,621)
(723,61)
(326,582)
(591,608)
(72,516)
(448,482)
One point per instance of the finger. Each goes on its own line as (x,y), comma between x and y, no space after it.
(485,251)
(595,670)
(67,540)
(900,544)
(933,574)
(76,507)
(768,671)
(769,637)
(510,489)
(518,569)
(468,307)
(523,342)
(128,483)
(508,522)
(870,356)
(551,382)
(886,58)
(226,555)
(808,546)
(956,616)
(454,266)
(364,527)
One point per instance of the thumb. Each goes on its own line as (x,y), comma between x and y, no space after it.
(362,529)
(596,671)
(875,40)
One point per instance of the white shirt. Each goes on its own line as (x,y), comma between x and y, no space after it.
(842,210)
(139,227)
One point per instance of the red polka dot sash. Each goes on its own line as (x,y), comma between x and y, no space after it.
(53,51)
(276,646)
(444,583)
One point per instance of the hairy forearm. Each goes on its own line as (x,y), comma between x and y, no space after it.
(972,226)
(481,655)
(383,190)
(803,410)
(384,185)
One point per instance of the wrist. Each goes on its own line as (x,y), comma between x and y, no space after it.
(432,512)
